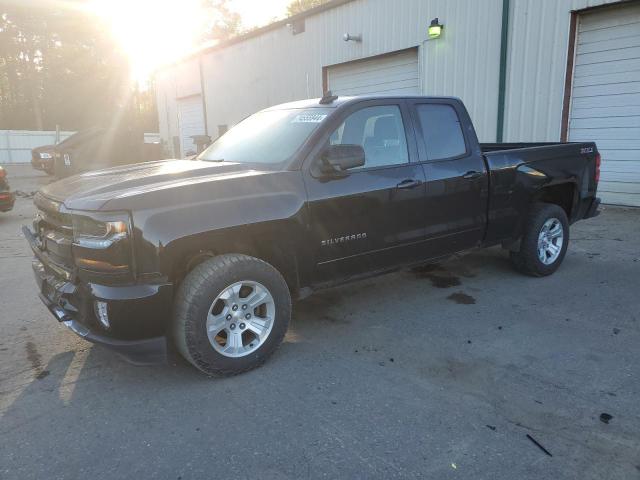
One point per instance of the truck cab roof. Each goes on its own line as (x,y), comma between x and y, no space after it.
(340,100)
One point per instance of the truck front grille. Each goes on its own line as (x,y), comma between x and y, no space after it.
(54,232)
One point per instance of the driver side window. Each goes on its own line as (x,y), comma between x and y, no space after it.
(379,131)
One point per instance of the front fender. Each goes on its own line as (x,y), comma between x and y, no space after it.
(261,220)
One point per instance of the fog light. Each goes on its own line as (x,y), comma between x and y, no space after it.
(101,310)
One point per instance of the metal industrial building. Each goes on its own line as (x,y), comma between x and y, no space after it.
(528,70)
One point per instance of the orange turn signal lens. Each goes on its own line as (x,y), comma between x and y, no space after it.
(100,266)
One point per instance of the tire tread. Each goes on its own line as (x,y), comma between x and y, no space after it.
(186,302)
(526,259)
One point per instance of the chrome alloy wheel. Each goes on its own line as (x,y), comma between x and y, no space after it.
(550,241)
(240,319)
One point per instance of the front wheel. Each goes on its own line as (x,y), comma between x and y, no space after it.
(544,242)
(231,313)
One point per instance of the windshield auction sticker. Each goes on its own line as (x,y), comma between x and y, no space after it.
(309,118)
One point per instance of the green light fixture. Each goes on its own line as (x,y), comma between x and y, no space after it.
(435,29)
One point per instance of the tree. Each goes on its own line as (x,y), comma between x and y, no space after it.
(225,23)
(298,6)
(59,66)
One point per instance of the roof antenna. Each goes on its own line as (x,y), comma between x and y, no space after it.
(327,98)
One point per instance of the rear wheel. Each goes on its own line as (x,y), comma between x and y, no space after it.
(544,242)
(231,313)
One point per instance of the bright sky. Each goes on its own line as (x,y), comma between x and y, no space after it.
(256,13)
(153,32)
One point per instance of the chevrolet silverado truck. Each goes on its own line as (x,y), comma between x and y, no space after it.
(207,254)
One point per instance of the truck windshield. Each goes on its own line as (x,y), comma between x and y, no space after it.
(268,137)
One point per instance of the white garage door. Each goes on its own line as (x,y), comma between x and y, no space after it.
(605,103)
(191,121)
(394,74)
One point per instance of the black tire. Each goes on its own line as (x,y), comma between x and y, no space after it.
(195,297)
(526,260)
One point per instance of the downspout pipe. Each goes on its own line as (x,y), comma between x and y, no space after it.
(203,96)
(502,82)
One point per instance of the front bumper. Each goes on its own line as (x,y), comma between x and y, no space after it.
(138,314)
(37,164)
(43,164)
(148,351)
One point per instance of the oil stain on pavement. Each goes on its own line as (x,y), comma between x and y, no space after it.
(462,298)
(35,359)
(440,277)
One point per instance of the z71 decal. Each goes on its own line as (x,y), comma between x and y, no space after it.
(586,150)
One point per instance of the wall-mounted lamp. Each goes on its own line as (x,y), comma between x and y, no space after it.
(435,29)
(353,38)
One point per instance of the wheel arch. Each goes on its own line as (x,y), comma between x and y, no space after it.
(268,243)
(565,195)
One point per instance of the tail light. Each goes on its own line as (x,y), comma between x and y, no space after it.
(598,161)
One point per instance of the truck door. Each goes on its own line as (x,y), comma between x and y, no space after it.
(455,207)
(370,218)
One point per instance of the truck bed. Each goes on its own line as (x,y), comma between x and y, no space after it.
(565,170)
(497,147)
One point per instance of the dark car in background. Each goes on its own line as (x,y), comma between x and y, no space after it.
(7,197)
(45,157)
(42,158)
(92,149)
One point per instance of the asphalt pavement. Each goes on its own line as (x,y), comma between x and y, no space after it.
(463,370)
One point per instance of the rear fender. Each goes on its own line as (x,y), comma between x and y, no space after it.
(531,186)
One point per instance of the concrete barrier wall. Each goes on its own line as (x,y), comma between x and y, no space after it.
(16,145)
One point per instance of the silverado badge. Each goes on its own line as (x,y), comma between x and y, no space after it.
(346,238)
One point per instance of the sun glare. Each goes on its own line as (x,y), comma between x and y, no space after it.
(153,33)
(256,13)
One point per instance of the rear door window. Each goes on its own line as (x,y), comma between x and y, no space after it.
(441,131)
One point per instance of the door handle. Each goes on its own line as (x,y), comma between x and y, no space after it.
(409,183)
(472,174)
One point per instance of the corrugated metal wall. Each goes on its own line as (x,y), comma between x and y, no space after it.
(465,62)
(277,66)
(536,67)
(171,84)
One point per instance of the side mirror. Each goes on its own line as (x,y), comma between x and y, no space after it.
(339,158)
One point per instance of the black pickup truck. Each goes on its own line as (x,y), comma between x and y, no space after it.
(52,158)
(92,149)
(207,254)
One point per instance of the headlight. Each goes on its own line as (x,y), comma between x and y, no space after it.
(45,155)
(91,233)
(101,242)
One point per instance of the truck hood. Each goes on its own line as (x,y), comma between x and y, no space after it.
(116,188)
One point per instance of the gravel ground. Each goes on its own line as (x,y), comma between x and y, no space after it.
(449,372)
